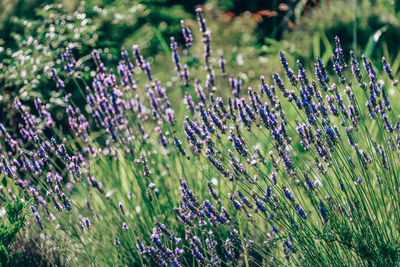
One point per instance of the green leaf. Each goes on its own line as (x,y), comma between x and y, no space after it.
(162,41)
(328,48)
(396,63)
(316,45)
(373,40)
(4,181)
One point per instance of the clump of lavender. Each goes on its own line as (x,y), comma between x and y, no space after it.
(301,171)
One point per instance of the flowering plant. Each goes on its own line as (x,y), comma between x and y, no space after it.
(297,171)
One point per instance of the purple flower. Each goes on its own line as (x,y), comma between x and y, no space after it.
(187,35)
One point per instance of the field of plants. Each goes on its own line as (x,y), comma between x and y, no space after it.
(199,133)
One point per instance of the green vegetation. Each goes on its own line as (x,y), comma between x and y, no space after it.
(11,223)
(132,148)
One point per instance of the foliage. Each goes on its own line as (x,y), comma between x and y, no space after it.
(35,250)
(39,45)
(372,31)
(11,224)
(31,47)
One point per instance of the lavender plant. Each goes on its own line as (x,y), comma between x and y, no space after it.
(295,171)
